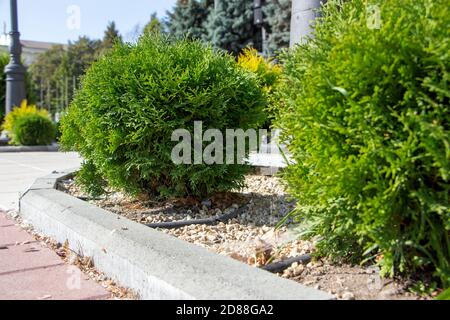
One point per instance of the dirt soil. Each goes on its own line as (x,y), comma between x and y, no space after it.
(253,238)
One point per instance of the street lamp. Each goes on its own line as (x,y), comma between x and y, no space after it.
(15,71)
(303,15)
(259,22)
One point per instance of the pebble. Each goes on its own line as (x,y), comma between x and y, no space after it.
(298,271)
(207,203)
(348,296)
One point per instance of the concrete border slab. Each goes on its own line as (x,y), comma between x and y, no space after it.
(15,149)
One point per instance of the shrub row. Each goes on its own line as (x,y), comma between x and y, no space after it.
(363,108)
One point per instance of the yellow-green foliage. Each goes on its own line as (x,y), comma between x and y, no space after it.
(19,112)
(267,71)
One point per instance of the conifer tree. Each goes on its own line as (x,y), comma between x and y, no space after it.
(231,26)
(277,15)
(111,36)
(81,54)
(154,25)
(188,19)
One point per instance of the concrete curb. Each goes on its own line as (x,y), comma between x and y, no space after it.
(16,149)
(154,264)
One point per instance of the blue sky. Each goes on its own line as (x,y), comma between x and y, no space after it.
(57,20)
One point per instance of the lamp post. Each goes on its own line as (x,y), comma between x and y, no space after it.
(15,71)
(259,22)
(304,12)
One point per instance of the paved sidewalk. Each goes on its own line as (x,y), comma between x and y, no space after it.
(28,269)
(19,170)
(31,271)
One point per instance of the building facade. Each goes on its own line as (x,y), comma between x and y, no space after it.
(30,49)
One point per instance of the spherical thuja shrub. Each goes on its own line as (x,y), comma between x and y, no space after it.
(135,97)
(366,116)
(33,130)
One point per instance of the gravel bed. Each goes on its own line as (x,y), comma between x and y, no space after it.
(252,237)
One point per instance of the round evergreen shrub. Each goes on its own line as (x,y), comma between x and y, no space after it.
(133,99)
(17,113)
(366,116)
(34,130)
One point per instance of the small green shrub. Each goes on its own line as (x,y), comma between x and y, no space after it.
(366,117)
(132,100)
(17,113)
(34,130)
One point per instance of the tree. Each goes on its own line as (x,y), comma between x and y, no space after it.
(154,25)
(4,59)
(47,77)
(230,26)
(188,19)
(278,17)
(111,36)
(48,64)
(55,73)
(81,54)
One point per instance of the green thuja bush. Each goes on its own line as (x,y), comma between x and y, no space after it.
(366,116)
(33,130)
(132,100)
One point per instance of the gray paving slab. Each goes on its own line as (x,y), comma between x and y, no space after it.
(19,170)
